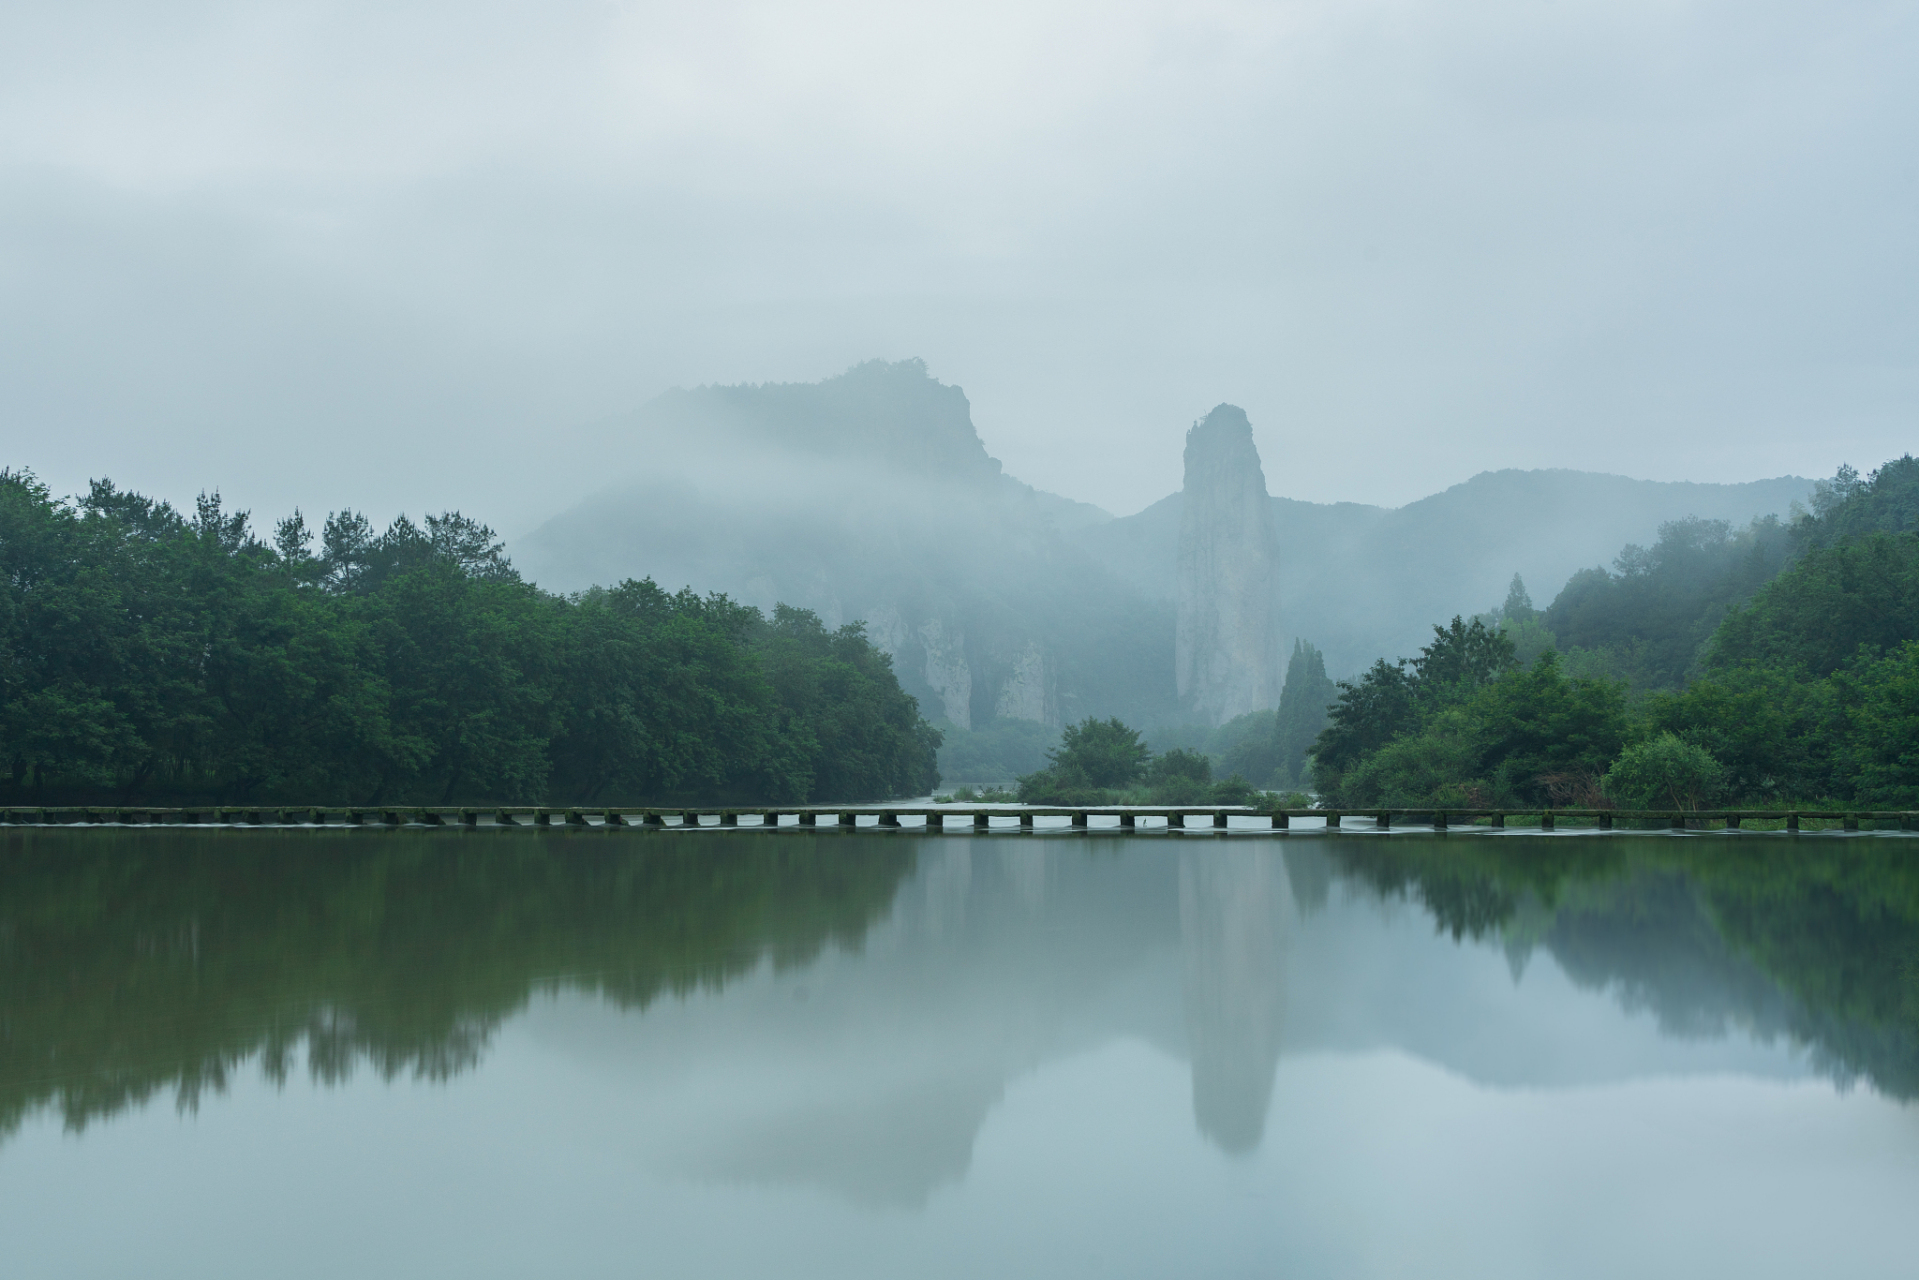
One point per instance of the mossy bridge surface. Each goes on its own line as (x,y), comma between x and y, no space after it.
(962,818)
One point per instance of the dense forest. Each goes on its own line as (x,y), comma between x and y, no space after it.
(146,654)
(1775,664)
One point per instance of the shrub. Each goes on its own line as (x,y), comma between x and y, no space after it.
(1234,790)
(1180,763)
(1099,753)
(1665,771)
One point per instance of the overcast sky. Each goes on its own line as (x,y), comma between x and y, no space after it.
(389,255)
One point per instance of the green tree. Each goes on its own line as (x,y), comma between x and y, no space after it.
(144,653)
(1440,766)
(1657,607)
(1304,701)
(860,736)
(1847,507)
(1881,698)
(1815,617)
(1519,602)
(1106,753)
(1370,712)
(1546,738)
(1773,731)
(1462,658)
(1665,772)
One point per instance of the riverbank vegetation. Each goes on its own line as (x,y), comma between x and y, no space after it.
(1104,762)
(1770,666)
(151,655)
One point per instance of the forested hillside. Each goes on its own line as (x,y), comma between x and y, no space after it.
(148,655)
(1775,664)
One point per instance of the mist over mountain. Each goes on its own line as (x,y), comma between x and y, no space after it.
(872,497)
(1366,582)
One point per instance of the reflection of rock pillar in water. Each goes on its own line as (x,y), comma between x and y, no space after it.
(1235,915)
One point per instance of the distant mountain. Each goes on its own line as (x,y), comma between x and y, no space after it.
(871,497)
(1366,582)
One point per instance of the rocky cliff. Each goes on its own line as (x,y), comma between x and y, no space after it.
(1226,643)
(1366,582)
(870,497)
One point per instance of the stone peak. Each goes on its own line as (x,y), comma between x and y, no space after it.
(1220,449)
(1226,420)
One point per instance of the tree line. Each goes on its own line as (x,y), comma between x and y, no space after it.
(151,655)
(1768,666)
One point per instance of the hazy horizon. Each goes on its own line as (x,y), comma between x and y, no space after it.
(384,257)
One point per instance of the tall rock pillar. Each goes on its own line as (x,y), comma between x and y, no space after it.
(1226,646)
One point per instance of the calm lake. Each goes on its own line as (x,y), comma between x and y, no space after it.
(424,1054)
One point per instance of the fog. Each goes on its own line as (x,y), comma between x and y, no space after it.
(413,256)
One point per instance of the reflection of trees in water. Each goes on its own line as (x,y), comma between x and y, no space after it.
(137,962)
(132,962)
(1235,914)
(1813,941)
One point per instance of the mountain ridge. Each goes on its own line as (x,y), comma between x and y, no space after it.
(872,496)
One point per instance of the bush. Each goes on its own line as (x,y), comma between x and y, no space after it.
(1439,766)
(1180,791)
(1099,753)
(1234,790)
(1180,763)
(1665,772)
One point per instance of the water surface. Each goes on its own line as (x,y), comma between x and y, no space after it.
(369,1053)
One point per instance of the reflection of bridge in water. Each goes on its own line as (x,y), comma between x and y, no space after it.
(871,1002)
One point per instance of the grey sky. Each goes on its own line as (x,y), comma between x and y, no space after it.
(392,255)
